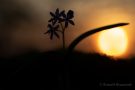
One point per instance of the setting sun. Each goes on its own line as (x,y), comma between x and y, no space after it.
(113,42)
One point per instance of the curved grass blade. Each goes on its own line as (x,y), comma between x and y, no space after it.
(91,32)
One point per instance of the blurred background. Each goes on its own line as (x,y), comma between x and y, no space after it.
(22,27)
(23,22)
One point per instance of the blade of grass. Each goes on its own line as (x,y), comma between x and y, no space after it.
(91,32)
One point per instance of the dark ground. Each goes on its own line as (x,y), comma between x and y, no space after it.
(50,71)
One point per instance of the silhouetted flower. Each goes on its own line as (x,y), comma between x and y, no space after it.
(68,18)
(52,31)
(59,22)
(56,16)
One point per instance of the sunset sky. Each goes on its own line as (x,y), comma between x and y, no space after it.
(23,23)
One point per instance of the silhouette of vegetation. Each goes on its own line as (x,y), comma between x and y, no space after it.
(80,38)
(59,22)
(60,17)
(44,70)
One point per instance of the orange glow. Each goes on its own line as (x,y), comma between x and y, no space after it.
(113,42)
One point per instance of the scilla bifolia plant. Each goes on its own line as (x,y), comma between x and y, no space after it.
(58,23)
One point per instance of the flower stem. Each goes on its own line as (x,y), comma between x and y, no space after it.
(63,35)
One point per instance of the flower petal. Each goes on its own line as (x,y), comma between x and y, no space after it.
(56,27)
(51,20)
(54,22)
(47,32)
(49,26)
(61,20)
(71,22)
(57,12)
(70,14)
(52,14)
(63,14)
